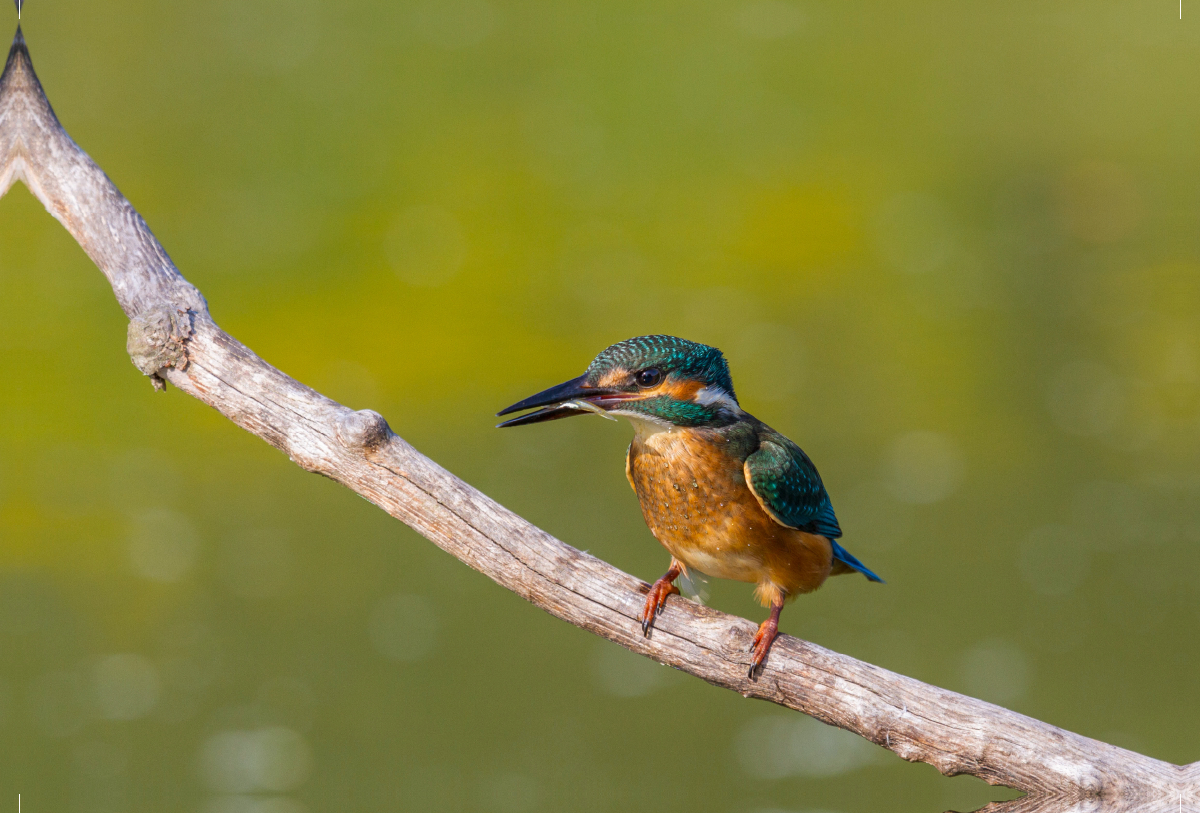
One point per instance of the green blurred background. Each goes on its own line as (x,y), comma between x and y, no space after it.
(950,248)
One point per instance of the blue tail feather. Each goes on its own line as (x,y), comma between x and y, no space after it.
(845,557)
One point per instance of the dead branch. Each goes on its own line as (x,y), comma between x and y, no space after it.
(172,337)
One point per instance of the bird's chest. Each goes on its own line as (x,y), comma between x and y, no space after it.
(694,498)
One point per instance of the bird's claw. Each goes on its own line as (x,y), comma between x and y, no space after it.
(761,645)
(656,599)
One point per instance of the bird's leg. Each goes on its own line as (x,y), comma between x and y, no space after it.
(658,596)
(765,636)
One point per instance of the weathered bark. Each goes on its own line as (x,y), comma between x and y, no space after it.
(172,337)
(1178,803)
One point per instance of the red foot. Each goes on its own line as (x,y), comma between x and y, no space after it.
(658,597)
(763,639)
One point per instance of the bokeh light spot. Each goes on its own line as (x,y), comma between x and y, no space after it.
(273,759)
(622,673)
(126,686)
(775,746)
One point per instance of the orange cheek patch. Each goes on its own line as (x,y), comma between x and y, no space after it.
(615,377)
(680,390)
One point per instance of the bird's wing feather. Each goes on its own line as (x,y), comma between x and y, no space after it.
(789,488)
(786,483)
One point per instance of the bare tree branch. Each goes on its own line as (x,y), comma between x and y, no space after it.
(172,337)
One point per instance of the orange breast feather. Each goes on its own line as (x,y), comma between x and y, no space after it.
(696,502)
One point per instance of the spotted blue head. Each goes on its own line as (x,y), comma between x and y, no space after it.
(658,379)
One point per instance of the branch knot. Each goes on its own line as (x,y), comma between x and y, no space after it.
(364,431)
(157,340)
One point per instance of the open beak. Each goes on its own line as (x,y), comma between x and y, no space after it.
(563,401)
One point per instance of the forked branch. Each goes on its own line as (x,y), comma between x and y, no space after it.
(172,337)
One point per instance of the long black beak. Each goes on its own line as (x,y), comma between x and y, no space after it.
(556,403)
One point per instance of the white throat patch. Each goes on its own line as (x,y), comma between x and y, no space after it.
(713,395)
(645,425)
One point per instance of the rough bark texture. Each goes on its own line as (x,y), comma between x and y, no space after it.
(172,337)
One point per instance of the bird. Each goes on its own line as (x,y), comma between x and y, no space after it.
(725,494)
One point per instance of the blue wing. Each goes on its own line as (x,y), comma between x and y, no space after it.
(787,484)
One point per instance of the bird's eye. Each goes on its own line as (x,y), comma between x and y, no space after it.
(649,377)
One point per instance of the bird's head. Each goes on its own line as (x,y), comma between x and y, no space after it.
(657,379)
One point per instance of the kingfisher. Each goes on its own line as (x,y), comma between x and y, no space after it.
(724,493)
